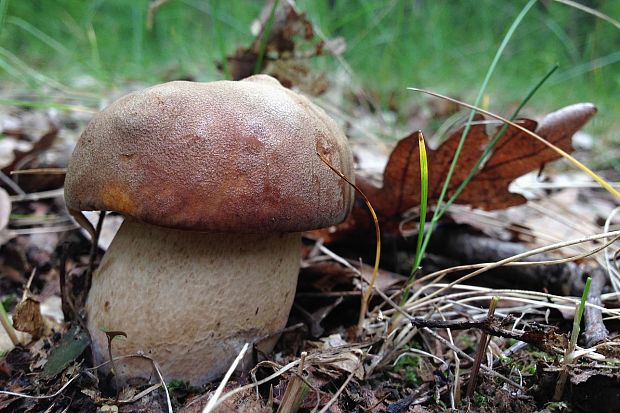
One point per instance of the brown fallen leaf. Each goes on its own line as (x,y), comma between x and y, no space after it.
(28,318)
(42,144)
(514,155)
(292,41)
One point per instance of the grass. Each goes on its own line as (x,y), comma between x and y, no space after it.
(439,45)
(407,366)
(569,355)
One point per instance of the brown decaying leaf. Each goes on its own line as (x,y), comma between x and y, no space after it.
(292,41)
(44,143)
(514,155)
(27,318)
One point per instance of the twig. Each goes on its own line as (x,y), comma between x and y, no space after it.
(141,394)
(296,390)
(474,293)
(163,383)
(470,358)
(487,325)
(594,328)
(256,383)
(456,391)
(297,374)
(480,351)
(93,252)
(95,242)
(413,399)
(26,292)
(40,171)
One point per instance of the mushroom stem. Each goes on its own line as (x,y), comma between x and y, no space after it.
(190,300)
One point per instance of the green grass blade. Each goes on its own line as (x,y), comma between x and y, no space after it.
(4,4)
(572,344)
(481,92)
(423,209)
(27,72)
(221,45)
(45,105)
(423,199)
(591,66)
(577,320)
(492,67)
(43,37)
(265,38)
(7,325)
(137,32)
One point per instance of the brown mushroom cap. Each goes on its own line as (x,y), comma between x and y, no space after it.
(220,156)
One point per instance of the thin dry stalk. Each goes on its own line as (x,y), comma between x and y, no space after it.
(296,390)
(40,171)
(35,196)
(591,11)
(470,358)
(480,351)
(375,271)
(513,258)
(257,383)
(215,399)
(438,275)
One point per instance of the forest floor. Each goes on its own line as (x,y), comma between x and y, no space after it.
(486,324)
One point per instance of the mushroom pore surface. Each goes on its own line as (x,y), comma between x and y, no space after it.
(190,300)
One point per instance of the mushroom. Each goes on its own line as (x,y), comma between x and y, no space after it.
(216,181)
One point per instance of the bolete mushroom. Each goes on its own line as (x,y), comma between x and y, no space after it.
(216,181)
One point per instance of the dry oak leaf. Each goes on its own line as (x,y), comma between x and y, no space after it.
(292,41)
(514,155)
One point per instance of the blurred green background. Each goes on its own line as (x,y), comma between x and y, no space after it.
(62,48)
